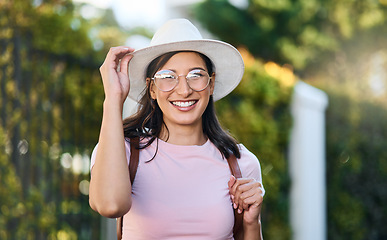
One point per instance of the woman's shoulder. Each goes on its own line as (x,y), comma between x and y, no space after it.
(247,155)
(249,163)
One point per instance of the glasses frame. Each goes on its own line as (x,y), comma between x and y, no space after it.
(185,76)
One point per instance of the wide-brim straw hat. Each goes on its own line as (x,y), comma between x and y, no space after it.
(182,35)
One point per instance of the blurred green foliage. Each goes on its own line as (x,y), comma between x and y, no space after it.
(51,102)
(355,81)
(356,140)
(356,167)
(10,206)
(257,114)
(298,32)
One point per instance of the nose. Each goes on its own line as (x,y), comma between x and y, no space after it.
(182,87)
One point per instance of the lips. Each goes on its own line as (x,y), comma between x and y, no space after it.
(183,103)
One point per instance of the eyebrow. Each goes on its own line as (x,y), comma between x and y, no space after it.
(194,68)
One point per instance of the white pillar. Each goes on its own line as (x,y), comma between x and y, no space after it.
(307,163)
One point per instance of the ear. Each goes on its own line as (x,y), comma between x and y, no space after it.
(212,84)
(151,88)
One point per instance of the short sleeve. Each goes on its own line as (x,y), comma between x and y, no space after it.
(249,165)
(94,153)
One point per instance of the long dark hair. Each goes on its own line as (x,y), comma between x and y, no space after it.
(148,121)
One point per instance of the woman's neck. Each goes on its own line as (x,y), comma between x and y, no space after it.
(183,135)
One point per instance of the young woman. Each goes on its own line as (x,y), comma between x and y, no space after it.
(183,187)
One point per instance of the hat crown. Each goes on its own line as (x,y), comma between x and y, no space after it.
(176,30)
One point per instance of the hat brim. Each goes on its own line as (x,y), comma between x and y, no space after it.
(228,63)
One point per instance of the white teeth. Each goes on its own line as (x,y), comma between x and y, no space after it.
(184,104)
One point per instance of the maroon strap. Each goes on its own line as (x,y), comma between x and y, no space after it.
(134,156)
(120,224)
(238,217)
(133,164)
(234,166)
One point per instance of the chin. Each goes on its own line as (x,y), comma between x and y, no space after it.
(186,121)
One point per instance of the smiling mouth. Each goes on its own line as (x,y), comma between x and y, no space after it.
(184,104)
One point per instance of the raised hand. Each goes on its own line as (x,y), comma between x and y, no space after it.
(114,72)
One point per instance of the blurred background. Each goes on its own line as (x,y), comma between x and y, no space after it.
(51,105)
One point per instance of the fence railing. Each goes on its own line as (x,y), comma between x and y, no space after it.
(49,114)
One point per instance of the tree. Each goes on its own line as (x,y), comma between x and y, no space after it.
(294,32)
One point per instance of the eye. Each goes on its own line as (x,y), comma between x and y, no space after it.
(196,74)
(165,75)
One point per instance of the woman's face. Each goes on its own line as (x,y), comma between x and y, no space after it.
(182,105)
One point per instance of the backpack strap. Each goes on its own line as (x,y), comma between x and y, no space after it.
(236,172)
(234,166)
(134,156)
(133,165)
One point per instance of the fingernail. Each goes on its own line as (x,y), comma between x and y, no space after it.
(235,206)
(239,211)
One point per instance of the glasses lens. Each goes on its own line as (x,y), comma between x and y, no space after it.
(198,79)
(165,80)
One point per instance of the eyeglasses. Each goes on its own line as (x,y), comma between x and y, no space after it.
(167,80)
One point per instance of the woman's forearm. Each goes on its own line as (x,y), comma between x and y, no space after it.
(253,231)
(110,188)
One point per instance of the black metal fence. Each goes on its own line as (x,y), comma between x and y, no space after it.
(50,108)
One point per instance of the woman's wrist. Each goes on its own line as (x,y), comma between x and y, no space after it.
(252,225)
(252,230)
(111,105)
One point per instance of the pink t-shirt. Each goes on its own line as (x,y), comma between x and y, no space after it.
(183,193)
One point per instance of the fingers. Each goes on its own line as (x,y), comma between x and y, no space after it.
(114,73)
(245,193)
(115,55)
(231,182)
(239,183)
(124,63)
